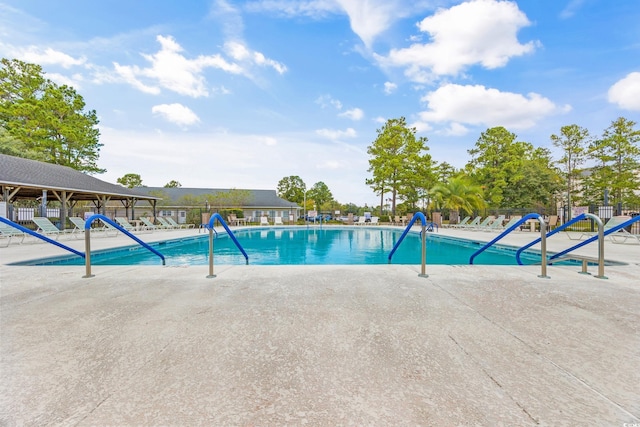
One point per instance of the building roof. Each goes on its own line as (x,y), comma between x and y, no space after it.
(258,199)
(27,178)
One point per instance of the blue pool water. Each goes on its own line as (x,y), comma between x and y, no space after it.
(304,246)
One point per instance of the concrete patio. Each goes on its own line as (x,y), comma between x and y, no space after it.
(318,345)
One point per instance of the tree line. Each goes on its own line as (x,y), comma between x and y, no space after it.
(44,121)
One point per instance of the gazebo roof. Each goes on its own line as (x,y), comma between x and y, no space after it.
(26,179)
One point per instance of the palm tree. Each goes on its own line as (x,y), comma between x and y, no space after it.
(458,194)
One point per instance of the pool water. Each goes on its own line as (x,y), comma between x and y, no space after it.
(305,246)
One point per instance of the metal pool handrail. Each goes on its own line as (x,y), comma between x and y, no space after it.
(424,241)
(233,238)
(87,240)
(600,238)
(543,239)
(551,233)
(40,236)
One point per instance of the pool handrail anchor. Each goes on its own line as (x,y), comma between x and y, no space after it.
(542,239)
(231,235)
(39,236)
(423,232)
(87,241)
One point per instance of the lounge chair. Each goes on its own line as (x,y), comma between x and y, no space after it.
(485,222)
(462,223)
(173,222)
(8,232)
(163,224)
(511,222)
(148,225)
(361,221)
(613,222)
(264,220)
(474,223)
(124,223)
(374,221)
(46,227)
(79,223)
(494,225)
(622,235)
(278,221)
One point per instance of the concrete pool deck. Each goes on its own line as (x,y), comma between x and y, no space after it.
(319,345)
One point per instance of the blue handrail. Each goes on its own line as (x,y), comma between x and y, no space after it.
(40,236)
(551,233)
(504,233)
(87,230)
(233,237)
(406,230)
(593,238)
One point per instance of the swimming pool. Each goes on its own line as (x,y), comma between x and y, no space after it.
(304,246)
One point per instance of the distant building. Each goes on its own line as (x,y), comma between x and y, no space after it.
(177,201)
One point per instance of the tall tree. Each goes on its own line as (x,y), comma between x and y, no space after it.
(173,184)
(396,155)
(48,118)
(320,194)
(618,161)
(496,164)
(573,141)
(130,180)
(292,188)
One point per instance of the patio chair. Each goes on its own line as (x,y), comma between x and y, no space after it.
(362,220)
(374,220)
(623,235)
(8,232)
(124,223)
(278,221)
(264,220)
(46,227)
(173,222)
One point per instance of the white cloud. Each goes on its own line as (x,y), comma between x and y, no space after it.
(74,81)
(571,9)
(389,87)
(625,93)
(420,126)
(291,8)
(476,32)
(256,164)
(325,101)
(380,119)
(353,114)
(173,71)
(335,135)
(368,18)
(48,56)
(176,113)
(478,105)
(241,53)
(456,129)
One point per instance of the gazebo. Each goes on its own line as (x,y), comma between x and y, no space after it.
(24,179)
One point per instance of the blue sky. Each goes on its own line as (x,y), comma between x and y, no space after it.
(239,94)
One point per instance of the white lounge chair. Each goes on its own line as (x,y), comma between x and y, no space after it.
(462,223)
(148,225)
(361,221)
(613,222)
(471,224)
(374,220)
(46,227)
(8,232)
(278,221)
(264,220)
(485,222)
(173,222)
